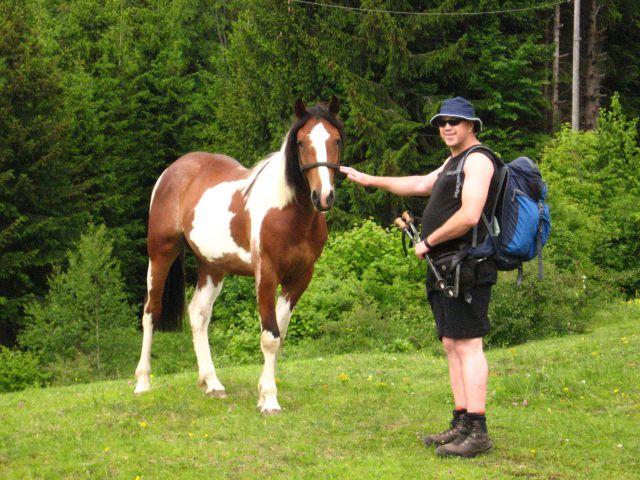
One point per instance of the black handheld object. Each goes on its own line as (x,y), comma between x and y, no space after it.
(406,223)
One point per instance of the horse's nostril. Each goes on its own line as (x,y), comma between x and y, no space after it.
(315,199)
(330,199)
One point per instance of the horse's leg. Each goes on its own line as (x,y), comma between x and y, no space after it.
(156,276)
(270,341)
(292,289)
(208,288)
(266,284)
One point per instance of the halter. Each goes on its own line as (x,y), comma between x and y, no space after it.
(304,168)
(334,166)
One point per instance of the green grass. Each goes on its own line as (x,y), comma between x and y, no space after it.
(561,408)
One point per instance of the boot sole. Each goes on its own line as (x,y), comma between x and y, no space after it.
(429,443)
(464,455)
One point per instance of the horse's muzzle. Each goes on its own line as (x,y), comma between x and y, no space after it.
(320,204)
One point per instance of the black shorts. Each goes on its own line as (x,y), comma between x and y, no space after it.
(456,318)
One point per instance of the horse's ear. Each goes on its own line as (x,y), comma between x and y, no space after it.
(300,108)
(334,106)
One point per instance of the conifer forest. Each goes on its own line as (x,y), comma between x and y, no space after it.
(98,97)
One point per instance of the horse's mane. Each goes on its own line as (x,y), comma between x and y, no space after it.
(292,169)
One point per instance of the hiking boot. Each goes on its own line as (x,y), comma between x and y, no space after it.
(447,436)
(472,440)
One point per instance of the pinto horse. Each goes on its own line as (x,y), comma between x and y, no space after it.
(265,222)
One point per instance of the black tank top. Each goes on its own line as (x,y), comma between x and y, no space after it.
(443,204)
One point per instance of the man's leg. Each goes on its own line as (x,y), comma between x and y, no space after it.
(456,373)
(474,372)
(474,438)
(457,387)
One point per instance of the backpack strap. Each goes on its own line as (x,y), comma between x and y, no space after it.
(520,276)
(459,168)
(488,222)
(502,171)
(539,240)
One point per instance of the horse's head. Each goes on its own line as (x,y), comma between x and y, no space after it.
(314,147)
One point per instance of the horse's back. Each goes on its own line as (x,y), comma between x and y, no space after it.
(214,167)
(197,171)
(182,184)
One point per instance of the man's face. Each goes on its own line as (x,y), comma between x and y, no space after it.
(455,131)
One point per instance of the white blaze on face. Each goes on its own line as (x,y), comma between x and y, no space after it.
(319,137)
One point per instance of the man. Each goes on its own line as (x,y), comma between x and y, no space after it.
(447,226)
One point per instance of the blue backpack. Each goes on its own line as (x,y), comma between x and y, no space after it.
(520,222)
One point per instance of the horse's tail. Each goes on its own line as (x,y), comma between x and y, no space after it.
(173,297)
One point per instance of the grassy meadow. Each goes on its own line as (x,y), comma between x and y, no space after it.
(561,408)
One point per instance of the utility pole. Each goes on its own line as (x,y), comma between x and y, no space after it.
(575,84)
(555,82)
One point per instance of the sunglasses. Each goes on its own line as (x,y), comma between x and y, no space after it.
(441,122)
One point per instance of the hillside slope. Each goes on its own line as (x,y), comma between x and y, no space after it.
(562,408)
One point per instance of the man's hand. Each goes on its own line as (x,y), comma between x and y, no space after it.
(357,177)
(421,250)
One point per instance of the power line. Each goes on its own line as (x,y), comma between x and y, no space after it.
(434,14)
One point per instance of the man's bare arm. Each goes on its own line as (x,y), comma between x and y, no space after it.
(478,171)
(409,186)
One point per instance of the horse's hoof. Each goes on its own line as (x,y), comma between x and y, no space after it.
(270,413)
(217,394)
(140,389)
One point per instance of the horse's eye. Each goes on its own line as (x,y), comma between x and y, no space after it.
(300,143)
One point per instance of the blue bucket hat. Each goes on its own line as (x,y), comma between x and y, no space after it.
(458,107)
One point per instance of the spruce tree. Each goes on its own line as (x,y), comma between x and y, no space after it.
(41,190)
(85,313)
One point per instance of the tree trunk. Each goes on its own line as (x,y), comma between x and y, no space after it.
(575,75)
(593,68)
(555,76)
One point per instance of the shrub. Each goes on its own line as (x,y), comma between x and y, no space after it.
(560,304)
(593,192)
(85,313)
(365,295)
(20,370)
(236,300)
